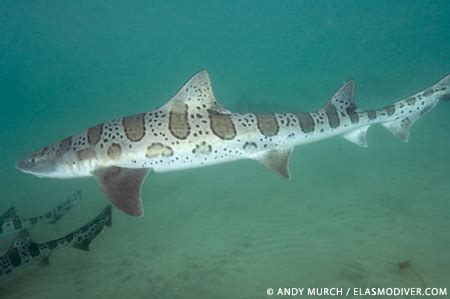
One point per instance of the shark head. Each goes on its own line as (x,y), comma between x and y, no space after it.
(53,161)
(73,156)
(41,163)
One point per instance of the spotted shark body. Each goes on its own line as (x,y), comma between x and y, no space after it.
(24,251)
(193,129)
(10,223)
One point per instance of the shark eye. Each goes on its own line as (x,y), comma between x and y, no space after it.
(33,160)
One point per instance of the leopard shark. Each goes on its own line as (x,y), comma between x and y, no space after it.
(193,129)
(11,224)
(24,251)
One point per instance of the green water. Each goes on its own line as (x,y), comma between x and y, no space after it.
(233,230)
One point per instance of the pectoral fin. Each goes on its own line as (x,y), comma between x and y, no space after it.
(123,187)
(276,161)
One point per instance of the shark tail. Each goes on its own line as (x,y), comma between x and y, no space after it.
(54,215)
(403,114)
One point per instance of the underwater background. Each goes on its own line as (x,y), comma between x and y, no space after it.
(345,219)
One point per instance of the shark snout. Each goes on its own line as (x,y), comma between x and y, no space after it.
(38,164)
(27,166)
(23,165)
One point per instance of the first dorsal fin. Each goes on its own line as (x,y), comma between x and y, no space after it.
(344,97)
(198,91)
(10,213)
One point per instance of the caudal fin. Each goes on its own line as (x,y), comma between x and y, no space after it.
(402,115)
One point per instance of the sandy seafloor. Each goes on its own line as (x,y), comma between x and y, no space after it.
(232,230)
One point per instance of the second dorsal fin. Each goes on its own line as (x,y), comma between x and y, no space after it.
(343,97)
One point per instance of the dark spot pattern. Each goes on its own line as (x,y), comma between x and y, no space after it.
(114,151)
(158,150)
(14,257)
(94,134)
(250,146)
(178,121)
(333,118)
(411,101)
(17,223)
(390,110)
(371,114)
(222,125)
(202,148)
(86,154)
(33,248)
(428,92)
(267,124)
(306,122)
(354,117)
(64,146)
(134,127)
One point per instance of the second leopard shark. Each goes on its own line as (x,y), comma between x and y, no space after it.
(10,223)
(193,129)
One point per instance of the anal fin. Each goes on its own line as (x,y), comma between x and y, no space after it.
(123,187)
(276,161)
(358,136)
(400,127)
